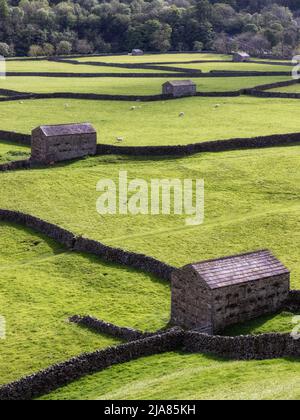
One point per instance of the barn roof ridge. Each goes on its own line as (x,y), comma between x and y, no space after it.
(237,269)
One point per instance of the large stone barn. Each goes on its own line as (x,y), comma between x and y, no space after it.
(54,143)
(241,57)
(179,88)
(211,295)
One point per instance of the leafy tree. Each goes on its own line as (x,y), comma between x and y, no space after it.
(64,48)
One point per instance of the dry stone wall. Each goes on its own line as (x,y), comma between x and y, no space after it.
(251,347)
(71,241)
(102,327)
(63,373)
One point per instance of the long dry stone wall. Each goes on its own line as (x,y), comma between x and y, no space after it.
(251,347)
(15,165)
(71,241)
(210,146)
(63,373)
(24,139)
(102,327)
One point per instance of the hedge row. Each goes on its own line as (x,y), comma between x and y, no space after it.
(62,374)
(107,253)
(102,327)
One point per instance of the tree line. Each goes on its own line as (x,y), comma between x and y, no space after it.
(53,27)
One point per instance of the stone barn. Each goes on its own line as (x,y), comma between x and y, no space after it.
(54,143)
(179,88)
(241,57)
(211,295)
(136,51)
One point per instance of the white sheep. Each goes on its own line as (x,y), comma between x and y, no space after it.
(182,114)
(120,139)
(133,108)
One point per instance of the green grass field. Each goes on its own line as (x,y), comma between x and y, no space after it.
(251,202)
(10,152)
(56,67)
(158,123)
(288,89)
(127,86)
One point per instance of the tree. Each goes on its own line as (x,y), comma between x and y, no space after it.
(4,9)
(84,47)
(49,50)
(5,50)
(35,51)
(198,46)
(64,48)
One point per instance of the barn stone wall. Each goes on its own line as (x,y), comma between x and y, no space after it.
(60,148)
(191,302)
(240,303)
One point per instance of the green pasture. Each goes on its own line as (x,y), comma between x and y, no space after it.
(207,67)
(127,86)
(158,123)
(288,89)
(10,152)
(251,203)
(58,67)
(155,58)
(189,376)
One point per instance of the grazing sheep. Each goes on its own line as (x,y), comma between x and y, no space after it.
(120,139)
(66,105)
(217,106)
(182,114)
(133,108)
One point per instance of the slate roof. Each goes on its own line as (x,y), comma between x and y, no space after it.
(67,129)
(242,54)
(239,269)
(181,83)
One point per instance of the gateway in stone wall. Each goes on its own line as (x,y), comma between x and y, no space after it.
(54,143)
(211,295)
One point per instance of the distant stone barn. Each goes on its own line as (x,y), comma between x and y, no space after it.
(241,57)
(54,143)
(211,295)
(137,51)
(179,88)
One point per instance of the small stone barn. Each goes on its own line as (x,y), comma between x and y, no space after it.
(241,57)
(211,295)
(179,88)
(136,51)
(54,143)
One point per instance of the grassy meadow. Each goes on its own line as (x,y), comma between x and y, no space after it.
(128,86)
(158,123)
(251,202)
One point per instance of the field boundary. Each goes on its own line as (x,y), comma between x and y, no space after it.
(213,146)
(80,244)
(248,347)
